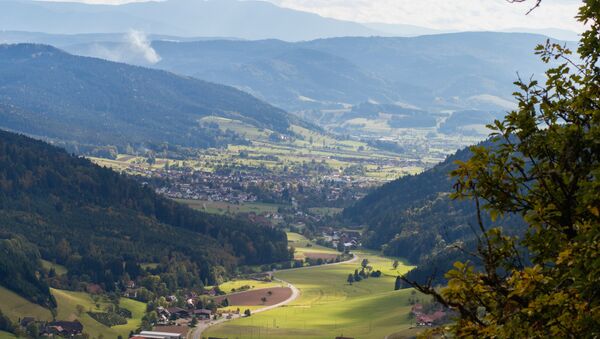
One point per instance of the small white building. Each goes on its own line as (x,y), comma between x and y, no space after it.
(159,335)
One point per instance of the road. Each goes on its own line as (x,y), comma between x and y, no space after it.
(196,333)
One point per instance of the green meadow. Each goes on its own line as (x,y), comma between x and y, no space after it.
(302,245)
(16,307)
(221,207)
(330,307)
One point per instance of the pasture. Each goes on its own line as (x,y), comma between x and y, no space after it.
(67,310)
(234,285)
(221,207)
(15,307)
(330,307)
(307,249)
(257,297)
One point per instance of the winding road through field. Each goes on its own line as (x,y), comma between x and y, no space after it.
(196,333)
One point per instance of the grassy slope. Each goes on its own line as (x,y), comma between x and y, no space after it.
(254,284)
(329,307)
(6,335)
(67,302)
(300,243)
(17,307)
(59,269)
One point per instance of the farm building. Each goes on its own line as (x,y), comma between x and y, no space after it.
(158,335)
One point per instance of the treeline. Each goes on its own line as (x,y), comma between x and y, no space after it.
(20,270)
(101,225)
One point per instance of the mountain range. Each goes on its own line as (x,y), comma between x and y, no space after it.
(217,18)
(223,18)
(88,102)
(324,80)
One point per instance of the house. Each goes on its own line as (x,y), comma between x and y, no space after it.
(131,293)
(183,330)
(93,289)
(26,321)
(202,313)
(159,335)
(64,328)
(178,312)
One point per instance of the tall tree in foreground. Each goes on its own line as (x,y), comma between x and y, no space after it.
(545,167)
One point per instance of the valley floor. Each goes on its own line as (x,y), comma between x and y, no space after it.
(328,306)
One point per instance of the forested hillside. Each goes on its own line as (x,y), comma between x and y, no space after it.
(102,226)
(90,102)
(414,218)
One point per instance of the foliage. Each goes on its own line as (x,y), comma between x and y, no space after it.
(414,218)
(546,167)
(101,225)
(6,324)
(20,269)
(108,318)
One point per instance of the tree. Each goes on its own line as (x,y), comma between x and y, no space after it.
(247,313)
(544,166)
(395,264)
(33,330)
(398,283)
(364,263)
(350,279)
(79,309)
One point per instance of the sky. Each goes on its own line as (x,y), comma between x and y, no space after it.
(438,14)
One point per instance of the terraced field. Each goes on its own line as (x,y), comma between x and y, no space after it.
(330,307)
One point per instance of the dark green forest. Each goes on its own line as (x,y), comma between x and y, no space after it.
(101,225)
(414,218)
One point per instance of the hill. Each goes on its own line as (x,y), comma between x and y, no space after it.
(224,18)
(436,72)
(101,226)
(414,218)
(87,102)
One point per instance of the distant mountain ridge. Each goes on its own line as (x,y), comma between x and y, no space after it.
(223,18)
(448,72)
(49,93)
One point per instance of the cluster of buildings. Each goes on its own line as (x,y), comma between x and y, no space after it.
(431,318)
(54,328)
(349,239)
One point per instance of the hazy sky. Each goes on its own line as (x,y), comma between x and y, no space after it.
(440,14)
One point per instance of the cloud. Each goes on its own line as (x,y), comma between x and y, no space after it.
(446,15)
(135,49)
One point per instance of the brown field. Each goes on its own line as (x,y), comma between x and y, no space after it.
(317,255)
(253,297)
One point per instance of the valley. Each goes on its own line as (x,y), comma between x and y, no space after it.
(328,306)
(221,169)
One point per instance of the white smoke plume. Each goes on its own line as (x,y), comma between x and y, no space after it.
(138,42)
(135,48)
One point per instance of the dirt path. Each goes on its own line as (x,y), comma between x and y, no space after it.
(196,333)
